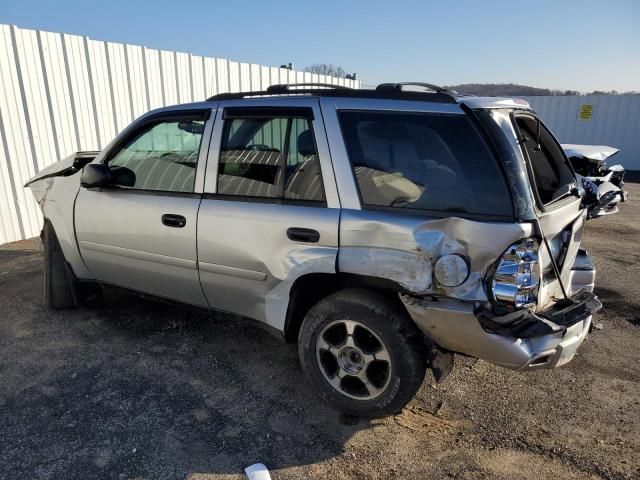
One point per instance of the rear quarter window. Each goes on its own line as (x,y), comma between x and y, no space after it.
(424,161)
(552,176)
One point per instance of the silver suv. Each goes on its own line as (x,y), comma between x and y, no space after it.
(382,230)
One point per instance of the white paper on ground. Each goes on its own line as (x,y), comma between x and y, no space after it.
(257,471)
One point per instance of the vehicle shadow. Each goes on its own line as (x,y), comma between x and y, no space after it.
(9,259)
(615,303)
(632,176)
(13,259)
(140,388)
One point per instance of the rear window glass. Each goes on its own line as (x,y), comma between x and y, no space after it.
(552,175)
(422,161)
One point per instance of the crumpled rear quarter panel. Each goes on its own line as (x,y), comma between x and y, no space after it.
(404,248)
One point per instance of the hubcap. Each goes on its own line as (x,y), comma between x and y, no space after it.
(353,360)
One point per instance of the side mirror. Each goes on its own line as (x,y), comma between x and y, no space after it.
(123,177)
(96,175)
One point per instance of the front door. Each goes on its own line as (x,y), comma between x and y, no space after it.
(270,211)
(141,234)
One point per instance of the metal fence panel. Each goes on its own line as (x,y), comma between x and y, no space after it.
(103,110)
(17,136)
(614,121)
(62,93)
(137,81)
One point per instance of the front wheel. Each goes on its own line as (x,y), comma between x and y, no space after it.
(58,287)
(362,353)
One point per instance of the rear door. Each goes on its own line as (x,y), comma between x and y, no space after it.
(141,234)
(270,210)
(560,213)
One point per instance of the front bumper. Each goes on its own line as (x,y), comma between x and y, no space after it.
(527,341)
(607,204)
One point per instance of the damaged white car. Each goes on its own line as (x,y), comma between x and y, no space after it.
(382,230)
(603,184)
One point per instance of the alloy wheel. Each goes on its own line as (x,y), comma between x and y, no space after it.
(353,359)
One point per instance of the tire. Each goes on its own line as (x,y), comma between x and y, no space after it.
(342,371)
(58,286)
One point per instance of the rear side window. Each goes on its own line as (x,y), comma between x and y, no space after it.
(551,173)
(422,161)
(272,157)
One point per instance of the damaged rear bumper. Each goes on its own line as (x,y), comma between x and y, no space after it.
(524,340)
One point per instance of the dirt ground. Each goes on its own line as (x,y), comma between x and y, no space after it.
(141,389)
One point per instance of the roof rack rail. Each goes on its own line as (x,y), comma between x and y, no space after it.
(286,87)
(280,89)
(426,86)
(395,91)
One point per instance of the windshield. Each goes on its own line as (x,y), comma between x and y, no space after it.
(424,161)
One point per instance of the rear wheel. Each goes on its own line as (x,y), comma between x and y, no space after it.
(362,353)
(58,287)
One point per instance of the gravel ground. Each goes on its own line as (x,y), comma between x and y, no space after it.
(140,389)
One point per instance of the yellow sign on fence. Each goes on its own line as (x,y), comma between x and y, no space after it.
(586,112)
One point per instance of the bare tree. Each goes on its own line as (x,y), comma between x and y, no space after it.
(327,69)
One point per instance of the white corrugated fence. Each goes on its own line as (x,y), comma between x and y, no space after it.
(612,120)
(63,93)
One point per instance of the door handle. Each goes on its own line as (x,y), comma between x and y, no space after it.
(303,235)
(171,220)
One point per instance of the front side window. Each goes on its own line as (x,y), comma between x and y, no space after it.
(424,161)
(163,156)
(551,173)
(272,157)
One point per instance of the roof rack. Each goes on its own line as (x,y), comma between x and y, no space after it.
(397,91)
(287,87)
(425,86)
(281,89)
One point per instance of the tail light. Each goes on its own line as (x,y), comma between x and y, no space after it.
(517,276)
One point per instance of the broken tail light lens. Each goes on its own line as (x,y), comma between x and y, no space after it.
(517,276)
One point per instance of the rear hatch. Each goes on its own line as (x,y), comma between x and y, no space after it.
(558,205)
(530,285)
(543,186)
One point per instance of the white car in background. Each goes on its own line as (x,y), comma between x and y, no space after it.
(603,184)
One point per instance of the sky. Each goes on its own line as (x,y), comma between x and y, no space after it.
(564,44)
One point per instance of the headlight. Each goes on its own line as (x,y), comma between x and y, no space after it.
(517,276)
(590,187)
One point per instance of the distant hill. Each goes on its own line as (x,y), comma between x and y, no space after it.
(506,90)
(515,90)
